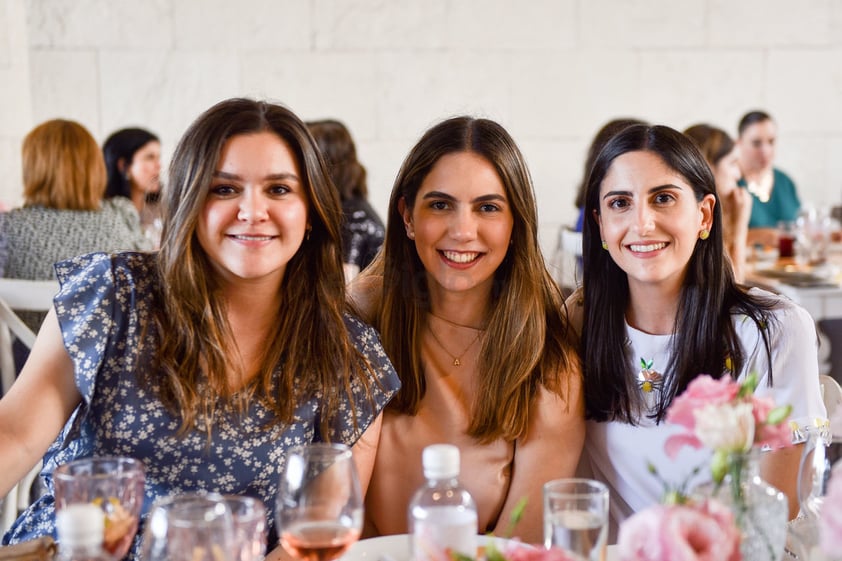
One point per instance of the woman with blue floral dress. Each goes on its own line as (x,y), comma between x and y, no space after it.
(209,359)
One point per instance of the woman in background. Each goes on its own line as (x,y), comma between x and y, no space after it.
(133,163)
(209,359)
(362,229)
(63,213)
(474,324)
(722,156)
(775,198)
(659,306)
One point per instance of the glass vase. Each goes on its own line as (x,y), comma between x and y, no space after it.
(760,510)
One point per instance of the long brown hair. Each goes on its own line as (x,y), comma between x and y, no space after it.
(62,167)
(310,343)
(527,339)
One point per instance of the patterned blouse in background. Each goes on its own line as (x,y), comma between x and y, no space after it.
(38,237)
(100,307)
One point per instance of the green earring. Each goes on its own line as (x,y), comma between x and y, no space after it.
(604,244)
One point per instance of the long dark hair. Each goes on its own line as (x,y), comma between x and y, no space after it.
(527,343)
(704,336)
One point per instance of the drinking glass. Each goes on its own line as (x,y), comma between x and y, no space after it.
(189,527)
(576,517)
(319,507)
(814,470)
(113,483)
(248,516)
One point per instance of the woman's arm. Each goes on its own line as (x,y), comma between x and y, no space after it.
(37,406)
(365,449)
(780,470)
(550,451)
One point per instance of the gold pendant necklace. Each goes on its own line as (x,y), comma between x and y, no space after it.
(457,359)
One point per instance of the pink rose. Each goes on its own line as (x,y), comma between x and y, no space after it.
(830,520)
(703,532)
(703,390)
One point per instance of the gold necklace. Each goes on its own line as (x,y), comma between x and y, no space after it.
(457,359)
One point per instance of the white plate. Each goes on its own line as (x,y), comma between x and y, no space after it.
(396,548)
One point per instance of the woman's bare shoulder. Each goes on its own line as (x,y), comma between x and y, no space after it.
(365,294)
(575,305)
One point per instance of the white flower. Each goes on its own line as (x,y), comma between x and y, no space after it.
(728,427)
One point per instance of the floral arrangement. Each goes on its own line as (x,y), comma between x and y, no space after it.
(728,418)
(680,532)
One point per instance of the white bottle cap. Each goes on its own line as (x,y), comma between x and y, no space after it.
(80,524)
(440,461)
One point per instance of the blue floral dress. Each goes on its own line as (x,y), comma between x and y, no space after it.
(102,306)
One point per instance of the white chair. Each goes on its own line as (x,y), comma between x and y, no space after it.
(566,265)
(19,295)
(832,396)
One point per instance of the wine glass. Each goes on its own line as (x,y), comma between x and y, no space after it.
(189,527)
(319,507)
(814,470)
(113,483)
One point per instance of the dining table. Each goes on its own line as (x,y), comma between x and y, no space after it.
(396,548)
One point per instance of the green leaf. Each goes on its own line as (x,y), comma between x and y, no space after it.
(719,466)
(456,556)
(749,385)
(779,414)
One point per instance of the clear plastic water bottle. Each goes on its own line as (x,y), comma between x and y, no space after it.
(442,514)
(80,528)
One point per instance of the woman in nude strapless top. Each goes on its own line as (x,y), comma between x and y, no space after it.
(475,327)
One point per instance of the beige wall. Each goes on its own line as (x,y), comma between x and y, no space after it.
(552,71)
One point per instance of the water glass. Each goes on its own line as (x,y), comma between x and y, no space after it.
(576,517)
(115,484)
(189,527)
(248,516)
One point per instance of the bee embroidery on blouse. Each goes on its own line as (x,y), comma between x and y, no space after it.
(649,379)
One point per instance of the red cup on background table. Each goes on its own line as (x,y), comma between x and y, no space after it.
(786,240)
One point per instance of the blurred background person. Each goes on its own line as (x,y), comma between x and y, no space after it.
(133,164)
(722,156)
(362,229)
(775,198)
(63,213)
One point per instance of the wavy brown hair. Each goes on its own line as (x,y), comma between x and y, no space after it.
(340,154)
(527,342)
(310,345)
(62,167)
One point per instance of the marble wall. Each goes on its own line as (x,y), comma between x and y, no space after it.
(552,71)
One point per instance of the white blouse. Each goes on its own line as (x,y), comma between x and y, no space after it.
(618,453)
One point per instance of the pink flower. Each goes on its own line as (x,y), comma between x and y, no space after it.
(830,521)
(703,390)
(703,532)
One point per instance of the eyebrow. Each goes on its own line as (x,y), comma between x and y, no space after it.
(481,199)
(271,176)
(653,190)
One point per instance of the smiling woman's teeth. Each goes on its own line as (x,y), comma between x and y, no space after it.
(646,248)
(253,238)
(458,257)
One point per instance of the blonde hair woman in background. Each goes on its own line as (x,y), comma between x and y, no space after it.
(63,212)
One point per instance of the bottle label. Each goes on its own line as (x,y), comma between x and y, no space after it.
(439,531)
